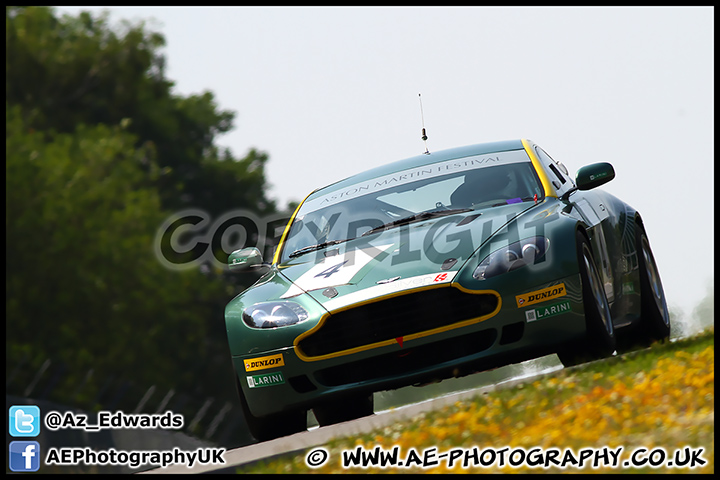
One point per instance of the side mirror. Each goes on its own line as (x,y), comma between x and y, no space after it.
(591,176)
(245,259)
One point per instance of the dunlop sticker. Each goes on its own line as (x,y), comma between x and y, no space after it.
(264,362)
(547,311)
(266,380)
(540,295)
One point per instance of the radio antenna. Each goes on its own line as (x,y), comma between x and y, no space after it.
(422,118)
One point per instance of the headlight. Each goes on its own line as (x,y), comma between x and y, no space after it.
(274,314)
(514,256)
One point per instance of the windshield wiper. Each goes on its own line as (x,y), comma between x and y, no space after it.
(312,248)
(416,218)
(412,218)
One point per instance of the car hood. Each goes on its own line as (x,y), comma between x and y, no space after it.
(402,258)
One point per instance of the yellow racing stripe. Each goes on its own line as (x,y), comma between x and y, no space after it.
(547,186)
(276,258)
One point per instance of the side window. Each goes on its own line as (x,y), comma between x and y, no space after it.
(559,177)
(557,173)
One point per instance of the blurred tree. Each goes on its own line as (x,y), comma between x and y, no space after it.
(83,284)
(68,71)
(704,312)
(99,152)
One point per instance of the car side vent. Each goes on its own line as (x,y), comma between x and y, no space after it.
(512,333)
(302,384)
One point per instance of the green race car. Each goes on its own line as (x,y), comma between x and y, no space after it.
(438,266)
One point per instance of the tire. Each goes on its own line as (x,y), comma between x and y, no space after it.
(344,410)
(654,324)
(271,426)
(599,340)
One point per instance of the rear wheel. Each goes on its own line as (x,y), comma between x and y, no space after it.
(344,409)
(271,426)
(599,339)
(654,324)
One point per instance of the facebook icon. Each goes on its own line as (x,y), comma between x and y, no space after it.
(24,456)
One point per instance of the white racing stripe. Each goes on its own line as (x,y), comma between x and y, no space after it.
(389,288)
(335,270)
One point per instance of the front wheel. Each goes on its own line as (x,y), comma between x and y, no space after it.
(599,340)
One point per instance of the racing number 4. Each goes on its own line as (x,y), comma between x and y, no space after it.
(334,269)
(440,277)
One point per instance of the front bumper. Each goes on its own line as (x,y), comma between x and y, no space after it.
(285,379)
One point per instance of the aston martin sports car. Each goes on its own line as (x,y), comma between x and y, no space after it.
(437,266)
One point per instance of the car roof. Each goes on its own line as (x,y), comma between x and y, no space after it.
(422,160)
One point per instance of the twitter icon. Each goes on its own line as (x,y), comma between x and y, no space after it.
(24,421)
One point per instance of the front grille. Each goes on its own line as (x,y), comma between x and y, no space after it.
(410,361)
(396,317)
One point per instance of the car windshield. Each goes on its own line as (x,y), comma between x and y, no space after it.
(412,195)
